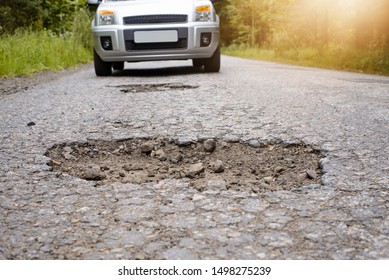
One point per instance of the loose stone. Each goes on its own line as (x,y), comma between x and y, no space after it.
(160,154)
(195,169)
(175,158)
(217,166)
(254,143)
(147,147)
(209,145)
(311,174)
(92,173)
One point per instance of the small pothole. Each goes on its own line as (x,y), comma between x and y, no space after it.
(208,164)
(134,88)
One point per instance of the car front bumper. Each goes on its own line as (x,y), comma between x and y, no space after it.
(123,47)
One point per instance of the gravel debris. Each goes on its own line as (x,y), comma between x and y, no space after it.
(268,164)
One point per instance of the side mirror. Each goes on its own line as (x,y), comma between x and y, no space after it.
(94,2)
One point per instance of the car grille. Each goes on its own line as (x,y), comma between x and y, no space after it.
(155,19)
(131,45)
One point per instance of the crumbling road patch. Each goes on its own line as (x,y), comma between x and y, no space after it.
(207,165)
(135,88)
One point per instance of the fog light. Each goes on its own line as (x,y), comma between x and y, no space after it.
(106,43)
(205,39)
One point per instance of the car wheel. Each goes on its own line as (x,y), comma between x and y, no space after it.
(212,64)
(102,68)
(118,66)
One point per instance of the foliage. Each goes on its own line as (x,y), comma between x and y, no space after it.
(18,13)
(55,15)
(253,21)
(81,28)
(340,34)
(306,23)
(38,35)
(26,52)
(331,57)
(58,14)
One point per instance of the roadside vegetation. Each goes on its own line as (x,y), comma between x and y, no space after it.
(374,61)
(352,35)
(39,35)
(337,34)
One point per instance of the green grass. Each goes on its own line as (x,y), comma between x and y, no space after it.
(375,61)
(27,52)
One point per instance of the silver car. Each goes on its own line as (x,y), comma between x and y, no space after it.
(149,30)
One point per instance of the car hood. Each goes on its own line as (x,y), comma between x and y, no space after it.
(153,7)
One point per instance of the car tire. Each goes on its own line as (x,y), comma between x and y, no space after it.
(102,68)
(119,66)
(212,64)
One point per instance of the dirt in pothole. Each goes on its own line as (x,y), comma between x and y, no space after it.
(208,164)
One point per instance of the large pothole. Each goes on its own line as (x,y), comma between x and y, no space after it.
(208,164)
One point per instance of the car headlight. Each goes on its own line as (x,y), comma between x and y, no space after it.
(106,17)
(203,13)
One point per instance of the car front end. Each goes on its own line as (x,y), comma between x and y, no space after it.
(149,30)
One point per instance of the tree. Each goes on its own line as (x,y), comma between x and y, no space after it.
(19,13)
(372,23)
(55,15)
(253,21)
(58,14)
(306,23)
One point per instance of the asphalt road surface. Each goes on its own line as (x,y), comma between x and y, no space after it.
(51,215)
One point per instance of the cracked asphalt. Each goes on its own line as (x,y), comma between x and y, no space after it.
(46,215)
